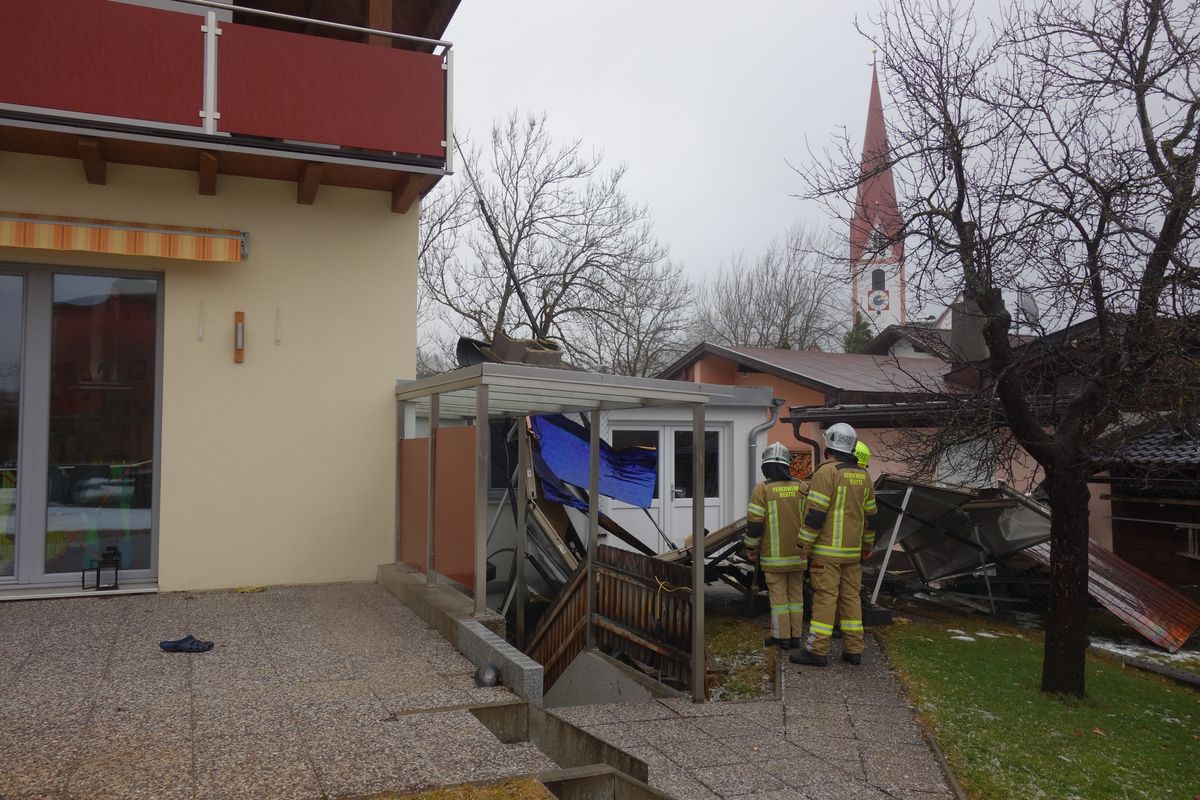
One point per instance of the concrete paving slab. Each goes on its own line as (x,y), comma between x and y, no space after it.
(692,754)
(250,767)
(132,769)
(37,760)
(638,712)
(149,719)
(239,710)
(737,779)
(306,694)
(680,783)
(737,727)
(820,742)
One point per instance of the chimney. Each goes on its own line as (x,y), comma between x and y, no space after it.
(966,331)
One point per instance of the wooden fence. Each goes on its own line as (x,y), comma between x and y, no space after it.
(643,612)
(561,633)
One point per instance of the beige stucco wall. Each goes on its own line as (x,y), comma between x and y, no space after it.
(280,469)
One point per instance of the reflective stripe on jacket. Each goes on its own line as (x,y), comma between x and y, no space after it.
(839,517)
(774,514)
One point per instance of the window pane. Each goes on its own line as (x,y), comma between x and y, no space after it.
(647,439)
(11,324)
(878,280)
(683,464)
(101,420)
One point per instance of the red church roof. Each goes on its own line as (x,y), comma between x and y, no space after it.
(875,206)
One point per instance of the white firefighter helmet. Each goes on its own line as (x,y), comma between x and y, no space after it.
(841,437)
(777,453)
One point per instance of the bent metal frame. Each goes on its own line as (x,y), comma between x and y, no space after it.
(484,391)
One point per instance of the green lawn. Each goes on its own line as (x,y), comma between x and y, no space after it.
(1134,736)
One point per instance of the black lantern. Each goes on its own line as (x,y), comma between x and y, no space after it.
(102,574)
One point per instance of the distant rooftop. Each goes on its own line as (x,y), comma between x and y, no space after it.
(829,372)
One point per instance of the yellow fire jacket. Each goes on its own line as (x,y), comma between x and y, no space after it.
(839,517)
(774,511)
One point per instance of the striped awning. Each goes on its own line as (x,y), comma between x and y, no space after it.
(43,232)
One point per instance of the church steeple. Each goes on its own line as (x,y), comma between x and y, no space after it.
(876,251)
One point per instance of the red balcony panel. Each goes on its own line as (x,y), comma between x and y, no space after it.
(99,57)
(290,86)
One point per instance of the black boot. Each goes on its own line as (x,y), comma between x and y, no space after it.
(807,656)
(852,658)
(772,641)
(791,644)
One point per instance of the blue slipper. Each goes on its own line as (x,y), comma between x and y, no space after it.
(188,644)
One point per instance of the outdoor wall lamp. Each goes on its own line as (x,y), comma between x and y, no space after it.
(239,336)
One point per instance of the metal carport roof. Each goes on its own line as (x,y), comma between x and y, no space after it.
(519,390)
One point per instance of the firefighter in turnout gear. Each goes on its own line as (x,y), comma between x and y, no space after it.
(772,537)
(839,534)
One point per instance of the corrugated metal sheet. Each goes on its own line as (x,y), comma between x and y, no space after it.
(1155,610)
(949,530)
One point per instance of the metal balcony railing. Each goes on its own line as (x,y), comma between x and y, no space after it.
(195,76)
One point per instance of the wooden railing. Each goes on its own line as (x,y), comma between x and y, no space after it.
(643,612)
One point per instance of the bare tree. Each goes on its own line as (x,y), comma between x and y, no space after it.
(445,217)
(643,335)
(784,299)
(1055,155)
(552,248)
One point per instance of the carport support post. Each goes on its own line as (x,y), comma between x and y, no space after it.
(593,540)
(483,460)
(698,661)
(887,554)
(522,500)
(435,413)
(401,408)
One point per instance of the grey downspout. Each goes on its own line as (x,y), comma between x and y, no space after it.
(776,404)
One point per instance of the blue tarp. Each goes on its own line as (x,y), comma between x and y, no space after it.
(627,475)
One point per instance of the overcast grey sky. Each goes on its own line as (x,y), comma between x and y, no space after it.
(704,101)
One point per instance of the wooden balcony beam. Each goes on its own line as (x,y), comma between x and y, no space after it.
(379,17)
(207,172)
(310,180)
(409,187)
(95,166)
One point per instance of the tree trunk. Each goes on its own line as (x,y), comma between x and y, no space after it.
(1066,628)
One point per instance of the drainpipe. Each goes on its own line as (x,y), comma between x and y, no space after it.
(776,404)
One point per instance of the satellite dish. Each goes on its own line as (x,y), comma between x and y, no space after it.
(1028,306)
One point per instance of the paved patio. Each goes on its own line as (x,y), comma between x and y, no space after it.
(310,692)
(340,690)
(839,733)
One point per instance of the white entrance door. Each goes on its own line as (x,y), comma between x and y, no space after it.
(682,492)
(669,517)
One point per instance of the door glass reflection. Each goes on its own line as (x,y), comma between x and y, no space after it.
(101,420)
(683,464)
(11,324)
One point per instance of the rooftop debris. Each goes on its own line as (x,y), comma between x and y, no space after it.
(950,531)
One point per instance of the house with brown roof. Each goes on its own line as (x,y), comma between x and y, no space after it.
(807,379)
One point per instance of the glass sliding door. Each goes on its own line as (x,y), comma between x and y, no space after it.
(102,423)
(12,323)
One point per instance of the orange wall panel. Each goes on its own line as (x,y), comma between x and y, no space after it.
(414,493)
(454,505)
